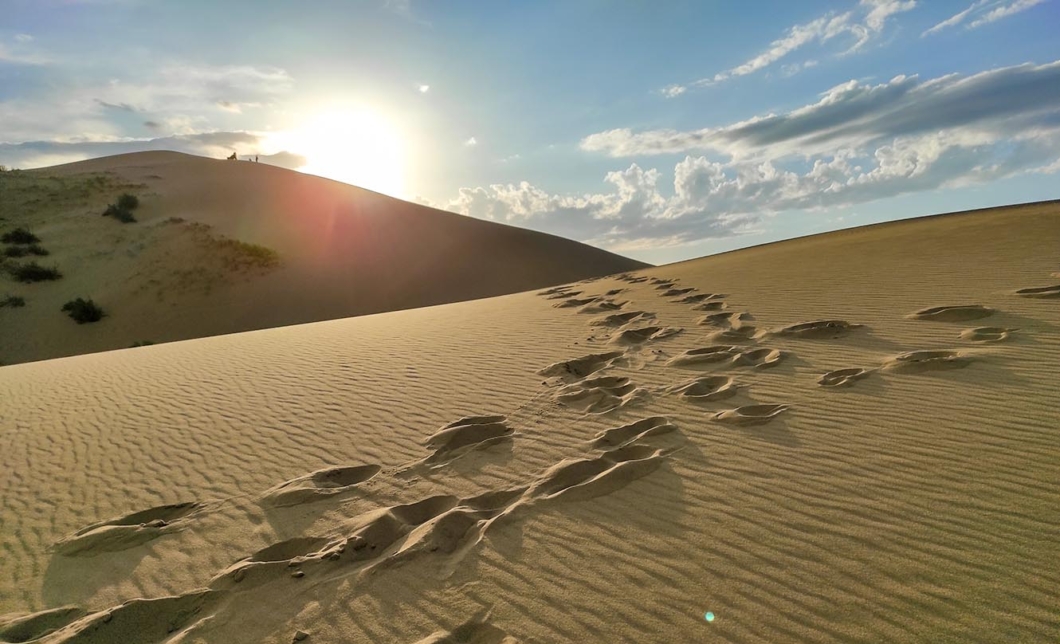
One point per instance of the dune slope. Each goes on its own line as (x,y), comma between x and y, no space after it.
(226,246)
(861,449)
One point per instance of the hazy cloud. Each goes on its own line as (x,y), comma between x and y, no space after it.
(856,27)
(471,142)
(983,12)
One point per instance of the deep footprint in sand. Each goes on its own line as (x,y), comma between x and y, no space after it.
(817,330)
(750,414)
(474,631)
(319,485)
(699,298)
(602,306)
(600,395)
(759,358)
(574,302)
(675,292)
(987,334)
(632,337)
(466,434)
(730,320)
(921,361)
(141,621)
(737,335)
(127,531)
(842,377)
(704,355)
(581,479)
(959,313)
(578,368)
(706,389)
(621,319)
(34,626)
(563,294)
(555,290)
(619,437)
(1040,291)
(715,305)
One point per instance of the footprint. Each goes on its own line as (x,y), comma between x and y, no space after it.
(953,313)
(632,279)
(711,306)
(619,437)
(288,549)
(319,485)
(600,395)
(759,358)
(474,631)
(701,297)
(920,361)
(615,291)
(643,334)
(663,286)
(602,306)
(578,480)
(731,320)
(620,319)
(707,388)
(572,302)
(674,292)
(715,353)
(734,336)
(554,290)
(465,435)
(562,295)
(842,377)
(818,329)
(750,414)
(143,621)
(1041,291)
(578,368)
(986,334)
(32,627)
(125,532)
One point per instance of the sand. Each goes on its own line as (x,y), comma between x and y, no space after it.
(837,465)
(227,246)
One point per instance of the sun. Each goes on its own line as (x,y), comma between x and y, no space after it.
(353,145)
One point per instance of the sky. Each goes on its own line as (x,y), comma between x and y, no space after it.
(660,130)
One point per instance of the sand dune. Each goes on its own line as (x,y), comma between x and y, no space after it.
(865,466)
(220,247)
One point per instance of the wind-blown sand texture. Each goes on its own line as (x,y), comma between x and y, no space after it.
(318,250)
(503,470)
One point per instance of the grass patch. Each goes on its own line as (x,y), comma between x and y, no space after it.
(33,272)
(122,210)
(128,202)
(82,311)
(13,302)
(22,251)
(19,236)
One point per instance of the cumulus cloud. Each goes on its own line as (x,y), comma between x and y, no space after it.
(983,12)
(855,28)
(858,143)
(35,154)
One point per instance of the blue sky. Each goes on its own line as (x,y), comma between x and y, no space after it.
(660,130)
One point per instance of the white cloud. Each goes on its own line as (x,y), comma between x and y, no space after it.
(471,142)
(424,89)
(23,38)
(858,143)
(861,24)
(983,12)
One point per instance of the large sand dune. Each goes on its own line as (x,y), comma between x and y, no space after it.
(849,437)
(185,268)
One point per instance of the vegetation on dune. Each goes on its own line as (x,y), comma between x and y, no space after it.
(32,272)
(82,311)
(19,236)
(122,210)
(22,251)
(13,302)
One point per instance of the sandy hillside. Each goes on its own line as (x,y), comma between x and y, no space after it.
(849,437)
(225,246)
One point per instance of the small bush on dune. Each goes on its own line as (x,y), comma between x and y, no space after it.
(33,272)
(128,201)
(19,236)
(82,311)
(22,251)
(121,214)
(12,301)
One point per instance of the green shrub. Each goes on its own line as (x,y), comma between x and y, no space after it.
(128,202)
(12,301)
(82,311)
(22,251)
(121,214)
(19,236)
(33,272)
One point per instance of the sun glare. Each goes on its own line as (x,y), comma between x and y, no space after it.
(355,146)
